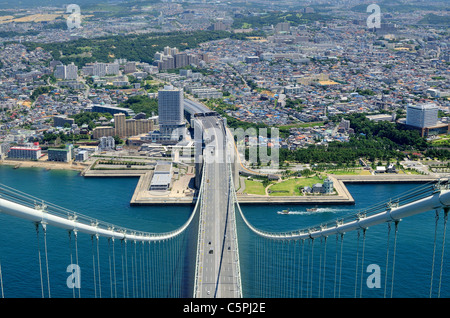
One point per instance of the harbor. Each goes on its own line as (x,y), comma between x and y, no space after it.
(181,188)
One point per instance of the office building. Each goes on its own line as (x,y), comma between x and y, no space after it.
(170,111)
(422,116)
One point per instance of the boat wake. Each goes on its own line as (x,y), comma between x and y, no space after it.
(319,210)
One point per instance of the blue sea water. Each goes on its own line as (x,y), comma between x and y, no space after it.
(107,199)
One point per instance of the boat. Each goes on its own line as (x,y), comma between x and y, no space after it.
(312,209)
(284,212)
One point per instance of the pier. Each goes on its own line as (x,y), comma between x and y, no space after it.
(182,191)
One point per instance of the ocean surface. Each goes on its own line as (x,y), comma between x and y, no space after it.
(107,199)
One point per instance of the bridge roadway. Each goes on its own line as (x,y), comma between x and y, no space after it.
(217,275)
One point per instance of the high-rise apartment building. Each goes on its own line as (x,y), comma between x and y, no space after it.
(172,58)
(60,71)
(124,127)
(27,151)
(71,72)
(120,124)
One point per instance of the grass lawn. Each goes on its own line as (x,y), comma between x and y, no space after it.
(350,172)
(254,187)
(291,187)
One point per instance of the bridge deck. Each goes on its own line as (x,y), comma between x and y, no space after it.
(217,253)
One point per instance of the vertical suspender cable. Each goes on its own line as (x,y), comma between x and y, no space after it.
(44,227)
(312,267)
(357,260)
(340,266)
(71,257)
(255,262)
(122,267)
(293,267)
(264,273)
(126,269)
(324,266)
(132,274)
(308,275)
(320,265)
(110,267)
(149,274)
(434,250)
(139,277)
(1,281)
(387,258)
(98,265)
(287,271)
(158,271)
(362,261)
(39,257)
(136,271)
(443,246)
(114,267)
(76,256)
(142,270)
(301,279)
(393,260)
(335,267)
(283,268)
(93,266)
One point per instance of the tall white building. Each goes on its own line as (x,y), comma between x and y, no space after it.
(107,143)
(170,112)
(71,72)
(422,116)
(99,69)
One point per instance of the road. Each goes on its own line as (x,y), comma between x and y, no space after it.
(218,247)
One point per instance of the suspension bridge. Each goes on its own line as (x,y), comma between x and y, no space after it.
(201,259)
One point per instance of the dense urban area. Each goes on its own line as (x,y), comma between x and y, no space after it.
(345,97)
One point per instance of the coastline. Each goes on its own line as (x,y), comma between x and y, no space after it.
(142,196)
(48,165)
